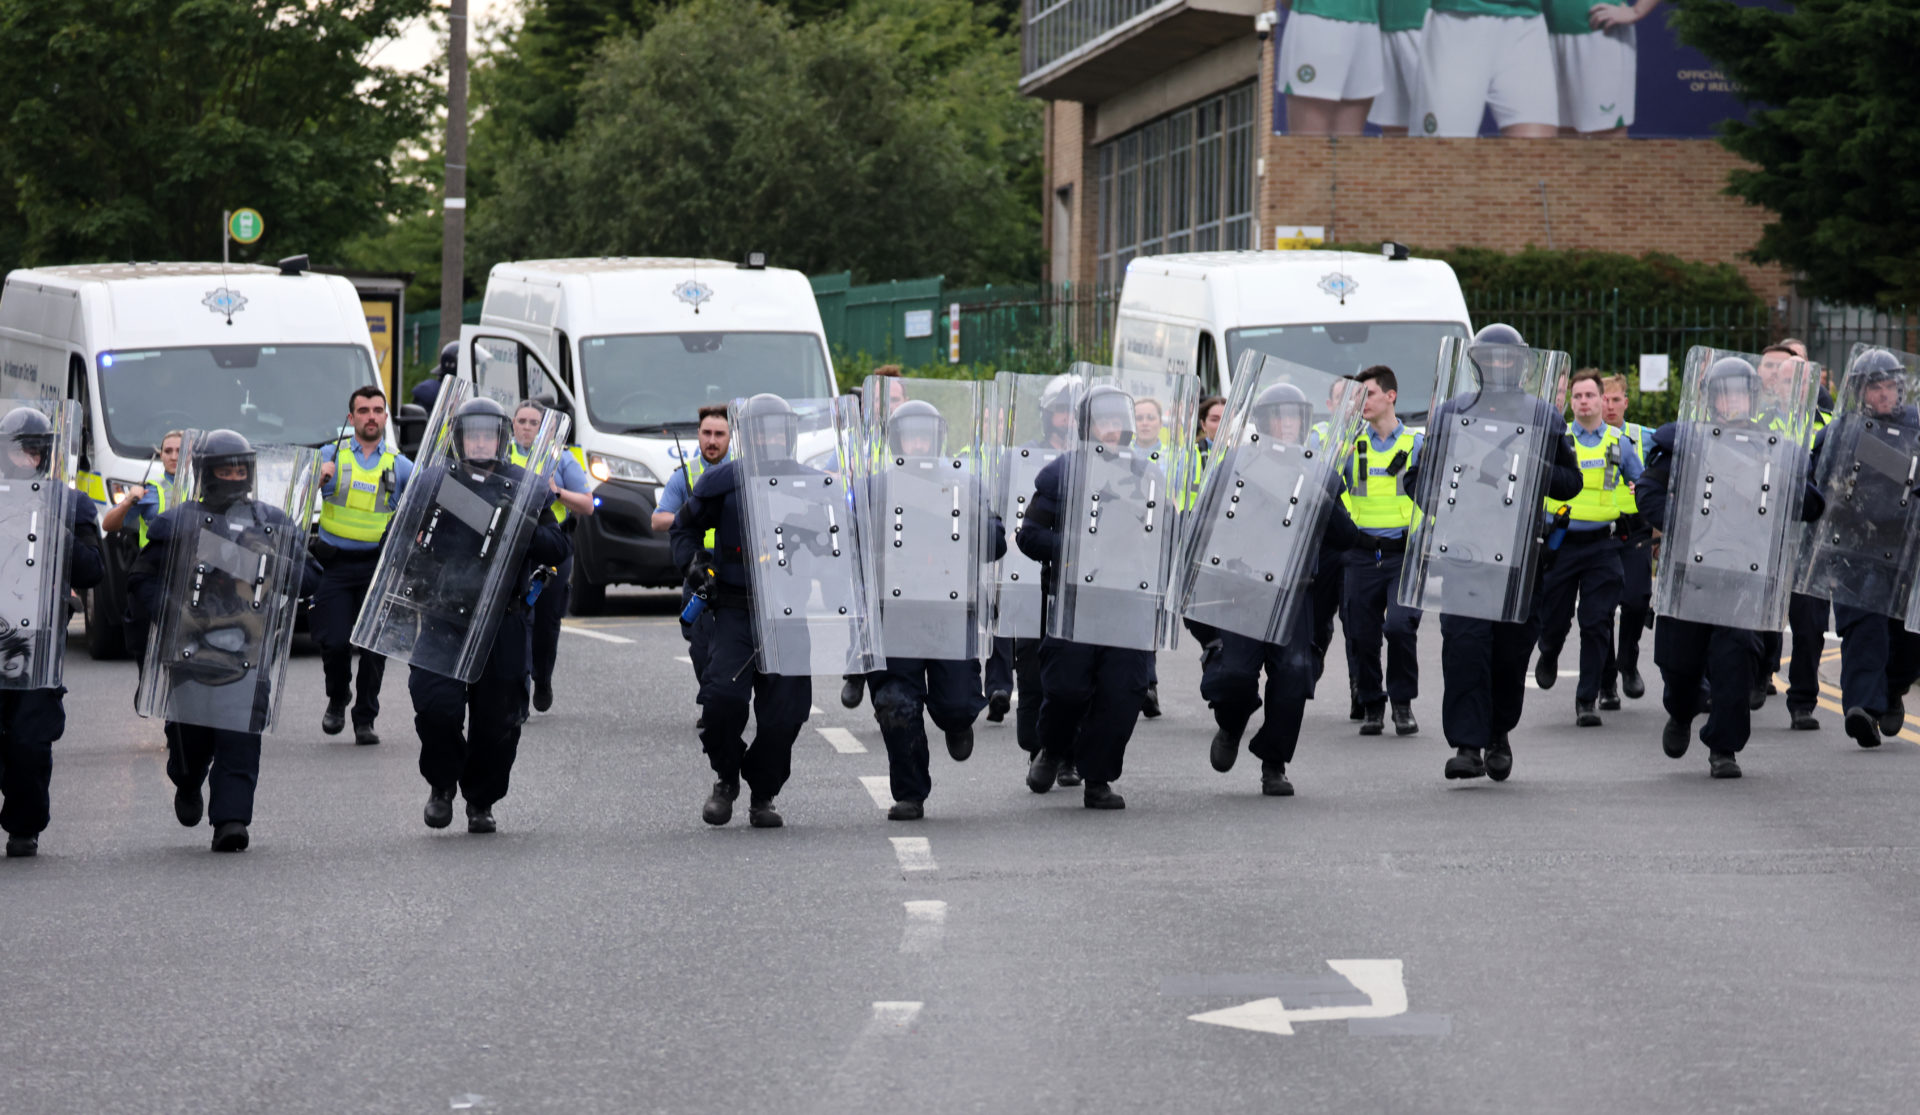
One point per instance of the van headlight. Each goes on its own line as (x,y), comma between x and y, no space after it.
(602,467)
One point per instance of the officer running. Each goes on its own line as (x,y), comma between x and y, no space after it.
(1587,565)
(33,712)
(1376,496)
(1806,614)
(714,438)
(1621,675)
(359,487)
(143,503)
(572,495)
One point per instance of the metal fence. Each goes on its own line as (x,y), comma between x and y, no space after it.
(1057,28)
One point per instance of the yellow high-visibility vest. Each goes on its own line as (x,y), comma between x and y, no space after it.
(361,505)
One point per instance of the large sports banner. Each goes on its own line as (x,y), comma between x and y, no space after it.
(1521,68)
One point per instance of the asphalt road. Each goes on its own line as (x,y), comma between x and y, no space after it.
(1610,931)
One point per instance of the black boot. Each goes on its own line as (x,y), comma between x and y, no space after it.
(1676,737)
(719,807)
(1499,759)
(230,836)
(1862,726)
(1100,795)
(364,735)
(998,702)
(188,805)
(960,744)
(335,718)
(1226,748)
(850,690)
(1068,778)
(1403,722)
(907,811)
(480,819)
(761,814)
(1150,707)
(1631,683)
(1609,698)
(1466,763)
(1584,714)
(1547,670)
(1376,721)
(1042,770)
(1721,764)
(542,696)
(1273,780)
(1756,700)
(1803,720)
(439,812)
(23,847)
(1895,718)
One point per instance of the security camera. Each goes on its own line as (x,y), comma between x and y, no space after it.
(1264,23)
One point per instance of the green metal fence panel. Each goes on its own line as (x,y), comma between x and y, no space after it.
(894,322)
(420,339)
(830,292)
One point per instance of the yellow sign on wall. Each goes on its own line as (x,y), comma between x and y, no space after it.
(383,323)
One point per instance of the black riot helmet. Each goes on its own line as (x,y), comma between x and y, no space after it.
(1106,404)
(216,450)
(449,359)
(479,417)
(1732,390)
(916,418)
(770,427)
(29,431)
(1282,401)
(1877,365)
(1500,354)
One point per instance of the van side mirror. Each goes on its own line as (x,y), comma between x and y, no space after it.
(412,425)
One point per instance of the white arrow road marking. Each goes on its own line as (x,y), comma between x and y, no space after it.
(842,741)
(916,854)
(878,788)
(1381,981)
(602,636)
(926,925)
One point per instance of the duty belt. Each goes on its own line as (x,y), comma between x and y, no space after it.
(1586,537)
(1383,545)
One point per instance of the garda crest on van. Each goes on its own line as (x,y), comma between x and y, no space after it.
(1339,284)
(693,292)
(224,301)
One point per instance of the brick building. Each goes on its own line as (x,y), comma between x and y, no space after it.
(1159,138)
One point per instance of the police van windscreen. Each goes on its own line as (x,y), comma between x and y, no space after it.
(643,383)
(291,394)
(1410,348)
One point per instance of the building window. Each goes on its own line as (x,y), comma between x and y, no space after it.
(1183,183)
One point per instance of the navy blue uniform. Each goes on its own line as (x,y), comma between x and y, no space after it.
(470,733)
(732,676)
(31,720)
(1727,659)
(1483,663)
(1879,657)
(1092,694)
(336,606)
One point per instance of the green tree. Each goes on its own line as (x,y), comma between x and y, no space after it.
(131,124)
(1835,152)
(888,139)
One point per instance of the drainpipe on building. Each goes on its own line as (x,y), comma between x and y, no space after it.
(1546,214)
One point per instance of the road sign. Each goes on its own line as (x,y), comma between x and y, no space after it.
(245,225)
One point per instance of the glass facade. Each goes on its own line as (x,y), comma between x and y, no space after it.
(1183,183)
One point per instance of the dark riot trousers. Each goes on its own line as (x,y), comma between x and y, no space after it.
(1726,658)
(946,690)
(30,721)
(1483,678)
(1092,703)
(1370,610)
(1879,658)
(1328,582)
(548,610)
(343,589)
(469,734)
(1230,684)
(780,706)
(228,762)
(1807,624)
(1590,571)
(1000,666)
(1026,714)
(1636,605)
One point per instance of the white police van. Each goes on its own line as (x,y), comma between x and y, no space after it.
(145,348)
(631,349)
(1340,312)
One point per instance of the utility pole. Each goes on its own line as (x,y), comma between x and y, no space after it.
(453,207)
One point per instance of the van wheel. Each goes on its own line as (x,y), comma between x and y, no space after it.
(106,638)
(588,599)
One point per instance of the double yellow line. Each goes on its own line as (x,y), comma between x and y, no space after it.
(1829,698)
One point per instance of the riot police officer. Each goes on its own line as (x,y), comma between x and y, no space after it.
(572,495)
(427,391)
(1587,565)
(1376,495)
(714,436)
(36,569)
(1621,675)
(219,575)
(470,731)
(780,703)
(929,566)
(1726,486)
(359,487)
(1478,539)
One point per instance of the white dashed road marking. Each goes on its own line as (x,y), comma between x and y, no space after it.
(926,925)
(879,788)
(894,1018)
(602,636)
(915,853)
(843,741)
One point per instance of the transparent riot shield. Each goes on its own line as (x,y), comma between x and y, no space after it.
(36,471)
(1119,522)
(217,653)
(451,559)
(1033,424)
(929,538)
(1252,540)
(1863,551)
(1739,473)
(1491,432)
(814,609)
